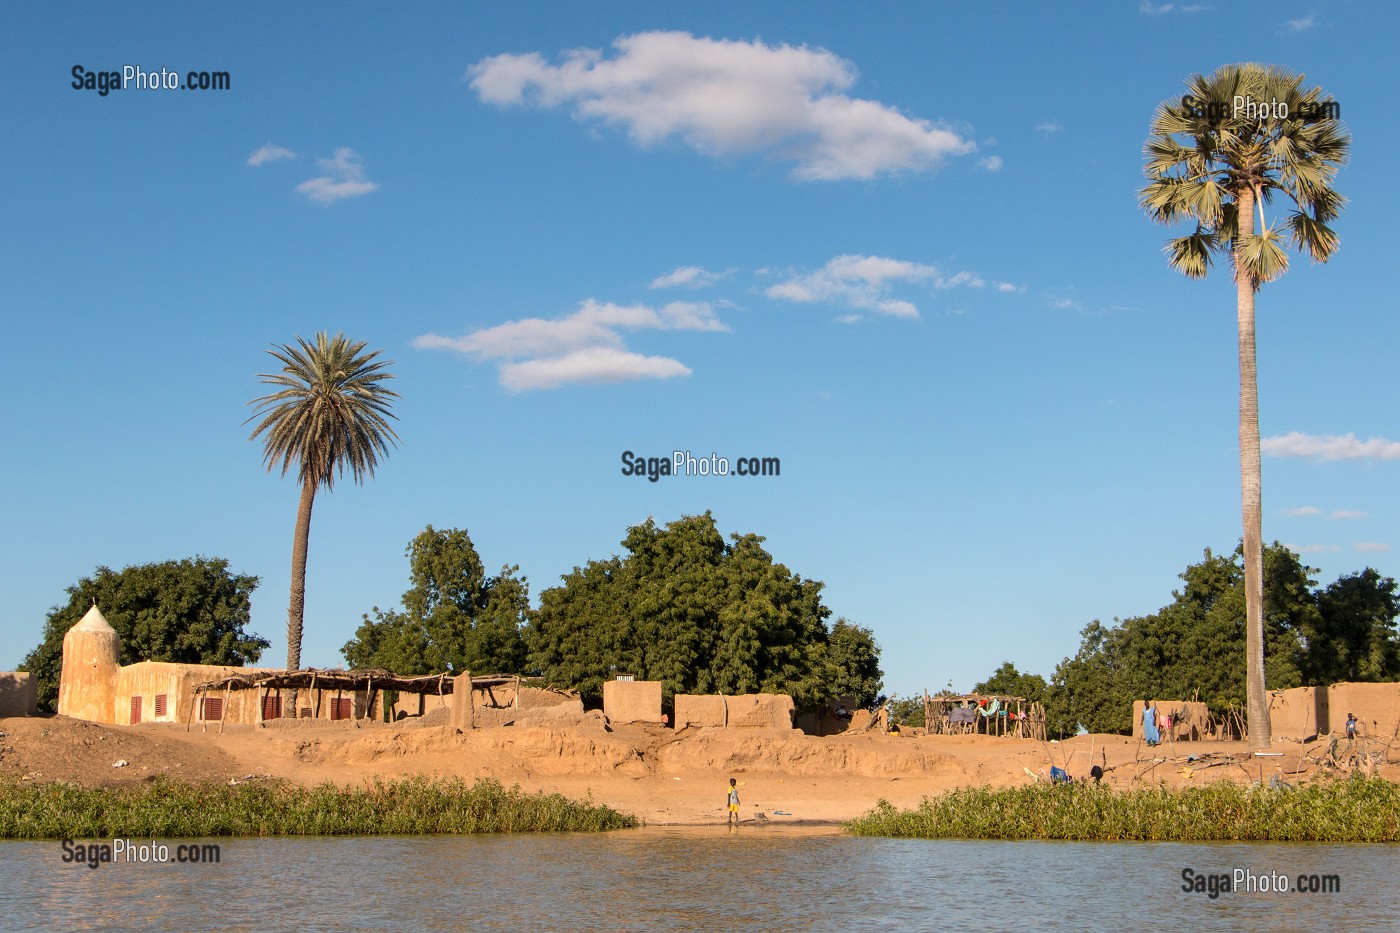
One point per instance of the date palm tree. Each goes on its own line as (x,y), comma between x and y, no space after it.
(1238,140)
(329,413)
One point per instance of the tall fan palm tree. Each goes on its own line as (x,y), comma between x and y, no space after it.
(1238,139)
(329,414)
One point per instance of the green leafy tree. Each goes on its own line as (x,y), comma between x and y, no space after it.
(854,658)
(907,711)
(701,615)
(1086,689)
(191,611)
(1219,164)
(455,618)
(330,413)
(1354,637)
(1007,681)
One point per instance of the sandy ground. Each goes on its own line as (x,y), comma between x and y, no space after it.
(665,777)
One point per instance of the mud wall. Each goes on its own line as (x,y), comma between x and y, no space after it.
(19,694)
(175,683)
(753,711)
(1298,713)
(699,710)
(1375,706)
(632,700)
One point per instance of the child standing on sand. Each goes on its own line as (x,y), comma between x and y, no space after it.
(733,802)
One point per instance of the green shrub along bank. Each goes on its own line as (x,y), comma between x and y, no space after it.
(1355,810)
(169,809)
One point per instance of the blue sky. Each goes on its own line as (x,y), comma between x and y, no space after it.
(898,248)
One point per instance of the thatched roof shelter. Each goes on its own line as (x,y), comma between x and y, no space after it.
(371,682)
(990,713)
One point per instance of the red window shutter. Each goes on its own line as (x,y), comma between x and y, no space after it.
(272,707)
(343,708)
(213,709)
(160,705)
(135,710)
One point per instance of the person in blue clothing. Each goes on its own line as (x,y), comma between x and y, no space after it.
(732,803)
(1149,723)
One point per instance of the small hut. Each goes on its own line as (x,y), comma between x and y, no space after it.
(984,714)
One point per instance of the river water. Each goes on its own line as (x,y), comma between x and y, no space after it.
(752,879)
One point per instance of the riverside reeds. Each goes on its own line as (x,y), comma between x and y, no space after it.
(1355,810)
(166,809)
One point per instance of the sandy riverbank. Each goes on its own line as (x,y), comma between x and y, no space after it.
(666,778)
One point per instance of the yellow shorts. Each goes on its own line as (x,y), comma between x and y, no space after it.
(733,808)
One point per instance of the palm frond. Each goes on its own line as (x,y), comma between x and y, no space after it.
(1262,256)
(1191,255)
(1312,235)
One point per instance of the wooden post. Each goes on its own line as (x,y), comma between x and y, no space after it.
(223,713)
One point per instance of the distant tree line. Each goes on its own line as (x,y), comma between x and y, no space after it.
(682,606)
(1194,646)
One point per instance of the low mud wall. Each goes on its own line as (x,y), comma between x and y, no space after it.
(632,700)
(19,694)
(751,711)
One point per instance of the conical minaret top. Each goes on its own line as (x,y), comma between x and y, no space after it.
(94,621)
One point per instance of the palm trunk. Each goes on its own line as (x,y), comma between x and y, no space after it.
(296,610)
(1260,733)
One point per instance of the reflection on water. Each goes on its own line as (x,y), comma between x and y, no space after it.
(750,880)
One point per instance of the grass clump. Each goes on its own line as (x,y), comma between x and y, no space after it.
(1356,810)
(414,806)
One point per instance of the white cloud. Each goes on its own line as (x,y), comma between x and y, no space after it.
(1062,304)
(589,366)
(691,315)
(1007,288)
(344,178)
(688,277)
(1048,127)
(970,279)
(1156,9)
(725,97)
(1330,447)
(1342,514)
(991,163)
(583,347)
(866,283)
(1302,24)
(1303,510)
(1313,548)
(1370,547)
(269,153)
